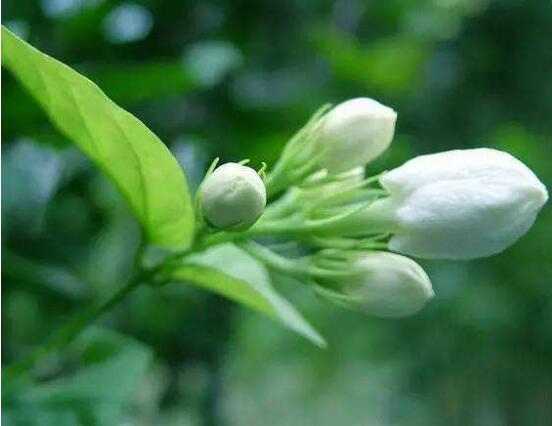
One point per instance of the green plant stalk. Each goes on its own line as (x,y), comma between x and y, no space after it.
(66,334)
(202,241)
(302,268)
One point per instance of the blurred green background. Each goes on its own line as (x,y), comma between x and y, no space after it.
(235,79)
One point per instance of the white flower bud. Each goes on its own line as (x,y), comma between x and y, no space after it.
(460,204)
(354,133)
(388,285)
(233,197)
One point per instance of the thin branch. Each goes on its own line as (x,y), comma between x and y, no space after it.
(67,334)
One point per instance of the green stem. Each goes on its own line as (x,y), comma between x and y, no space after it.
(273,260)
(348,243)
(66,334)
(292,226)
(376,217)
(286,205)
(301,268)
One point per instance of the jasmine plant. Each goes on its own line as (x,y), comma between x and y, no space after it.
(350,232)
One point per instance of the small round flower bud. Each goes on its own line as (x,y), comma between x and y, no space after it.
(459,204)
(387,285)
(354,133)
(233,197)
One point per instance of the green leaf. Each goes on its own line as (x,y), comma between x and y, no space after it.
(230,272)
(126,84)
(138,163)
(111,366)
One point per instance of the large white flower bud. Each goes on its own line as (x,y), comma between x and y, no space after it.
(387,285)
(233,197)
(460,204)
(354,133)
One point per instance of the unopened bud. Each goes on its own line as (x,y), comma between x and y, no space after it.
(354,133)
(233,197)
(461,204)
(387,285)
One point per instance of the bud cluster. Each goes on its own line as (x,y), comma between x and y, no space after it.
(460,204)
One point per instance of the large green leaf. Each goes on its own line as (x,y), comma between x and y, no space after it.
(98,393)
(134,158)
(230,272)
